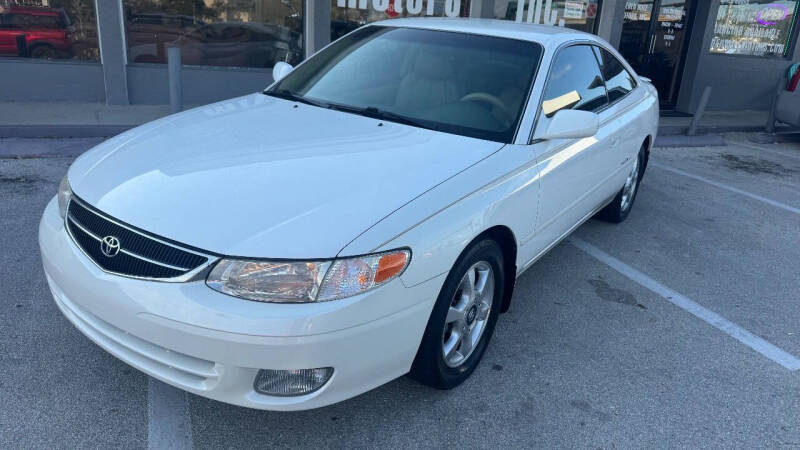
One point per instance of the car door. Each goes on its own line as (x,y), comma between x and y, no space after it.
(8,35)
(572,171)
(623,116)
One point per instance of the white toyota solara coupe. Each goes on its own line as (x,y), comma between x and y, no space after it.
(363,218)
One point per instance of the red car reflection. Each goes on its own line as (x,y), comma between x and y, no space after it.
(38,32)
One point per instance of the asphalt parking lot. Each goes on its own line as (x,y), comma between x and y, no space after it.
(677,328)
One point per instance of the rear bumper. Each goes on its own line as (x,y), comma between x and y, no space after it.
(204,342)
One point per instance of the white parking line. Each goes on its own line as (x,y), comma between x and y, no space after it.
(768,201)
(168,422)
(747,338)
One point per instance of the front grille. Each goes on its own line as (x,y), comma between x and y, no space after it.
(136,254)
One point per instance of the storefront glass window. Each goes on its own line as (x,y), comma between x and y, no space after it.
(49,29)
(755,27)
(237,33)
(576,14)
(347,15)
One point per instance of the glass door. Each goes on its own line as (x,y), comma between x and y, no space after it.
(654,37)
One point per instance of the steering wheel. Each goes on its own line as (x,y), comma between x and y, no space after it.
(490,99)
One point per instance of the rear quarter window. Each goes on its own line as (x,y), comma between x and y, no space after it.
(619,81)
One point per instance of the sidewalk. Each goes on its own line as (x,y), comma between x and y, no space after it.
(63,119)
(67,119)
(716,122)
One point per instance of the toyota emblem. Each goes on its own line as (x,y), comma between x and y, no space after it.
(109,246)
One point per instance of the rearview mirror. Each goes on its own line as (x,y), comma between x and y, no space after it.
(280,70)
(571,124)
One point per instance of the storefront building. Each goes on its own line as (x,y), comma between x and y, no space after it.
(114,51)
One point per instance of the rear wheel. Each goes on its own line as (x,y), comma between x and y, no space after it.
(463,319)
(619,208)
(43,51)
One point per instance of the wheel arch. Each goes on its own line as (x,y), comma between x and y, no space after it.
(647,144)
(504,236)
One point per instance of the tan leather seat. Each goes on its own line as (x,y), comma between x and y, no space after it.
(429,84)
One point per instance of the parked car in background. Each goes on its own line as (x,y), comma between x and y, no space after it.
(44,31)
(240,44)
(149,33)
(365,217)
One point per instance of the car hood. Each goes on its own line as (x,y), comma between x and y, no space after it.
(264,177)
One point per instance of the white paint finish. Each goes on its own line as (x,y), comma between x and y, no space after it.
(726,187)
(215,179)
(196,304)
(356,347)
(571,124)
(169,425)
(484,196)
(765,348)
(543,34)
(262,177)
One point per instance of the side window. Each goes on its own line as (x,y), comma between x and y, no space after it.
(618,80)
(575,82)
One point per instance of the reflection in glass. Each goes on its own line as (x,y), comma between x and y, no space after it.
(575,14)
(635,40)
(237,33)
(654,35)
(458,83)
(49,29)
(575,81)
(756,27)
(347,15)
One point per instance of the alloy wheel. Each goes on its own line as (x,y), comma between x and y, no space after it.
(629,191)
(468,314)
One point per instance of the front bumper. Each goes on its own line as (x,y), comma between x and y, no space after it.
(210,344)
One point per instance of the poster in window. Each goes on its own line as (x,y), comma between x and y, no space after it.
(755,27)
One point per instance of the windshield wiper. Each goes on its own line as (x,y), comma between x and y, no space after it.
(375,113)
(294,96)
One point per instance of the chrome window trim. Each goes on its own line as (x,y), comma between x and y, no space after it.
(198,273)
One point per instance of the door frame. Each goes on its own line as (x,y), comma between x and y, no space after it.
(691,13)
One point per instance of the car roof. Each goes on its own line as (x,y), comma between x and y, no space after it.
(543,34)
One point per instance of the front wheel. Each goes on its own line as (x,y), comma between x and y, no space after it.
(463,319)
(619,208)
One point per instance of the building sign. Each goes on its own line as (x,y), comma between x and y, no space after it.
(394,8)
(755,27)
(530,11)
(591,9)
(573,10)
(637,12)
(347,15)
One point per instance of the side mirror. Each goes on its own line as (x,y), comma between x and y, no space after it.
(280,70)
(571,124)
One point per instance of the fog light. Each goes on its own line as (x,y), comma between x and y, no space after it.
(286,383)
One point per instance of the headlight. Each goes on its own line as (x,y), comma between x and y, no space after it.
(64,194)
(306,281)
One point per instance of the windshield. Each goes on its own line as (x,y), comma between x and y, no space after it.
(457,83)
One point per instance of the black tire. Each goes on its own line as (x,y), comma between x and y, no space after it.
(43,51)
(429,365)
(619,209)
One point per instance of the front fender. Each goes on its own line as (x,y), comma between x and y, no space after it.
(501,190)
